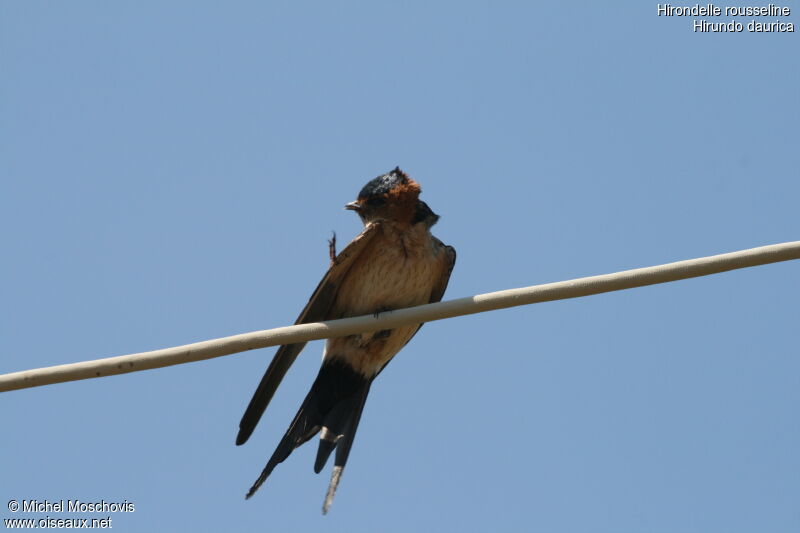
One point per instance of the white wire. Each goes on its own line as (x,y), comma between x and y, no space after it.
(424,313)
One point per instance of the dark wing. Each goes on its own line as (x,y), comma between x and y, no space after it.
(441,286)
(441,283)
(316,309)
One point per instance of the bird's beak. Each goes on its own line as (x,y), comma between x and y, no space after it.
(353,206)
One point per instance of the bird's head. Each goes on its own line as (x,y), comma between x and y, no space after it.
(392,197)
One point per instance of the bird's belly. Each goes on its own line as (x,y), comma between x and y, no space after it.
(387,279)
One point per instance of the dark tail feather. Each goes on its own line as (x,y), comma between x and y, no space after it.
(280,364)
(335,426)
(336,384)
(327,442)
(344,445)
(302,428)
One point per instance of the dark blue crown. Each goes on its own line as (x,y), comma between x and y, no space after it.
(384,183)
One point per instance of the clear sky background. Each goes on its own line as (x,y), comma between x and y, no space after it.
(171,172)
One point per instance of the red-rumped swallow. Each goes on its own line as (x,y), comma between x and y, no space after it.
(393,263)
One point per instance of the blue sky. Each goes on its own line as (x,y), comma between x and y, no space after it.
(171,172)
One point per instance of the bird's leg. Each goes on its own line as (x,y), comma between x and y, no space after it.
(384,333)
(381,309)
(332,248)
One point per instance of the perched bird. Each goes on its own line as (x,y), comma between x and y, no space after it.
(393,263)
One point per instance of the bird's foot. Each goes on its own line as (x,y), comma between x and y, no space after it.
(380,310)
(332,248)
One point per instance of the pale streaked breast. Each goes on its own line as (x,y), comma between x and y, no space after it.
(393,273)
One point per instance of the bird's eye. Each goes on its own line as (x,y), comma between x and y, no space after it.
(376,201)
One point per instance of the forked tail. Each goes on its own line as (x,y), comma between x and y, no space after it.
(333,406)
